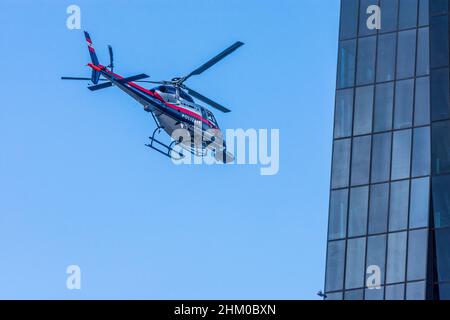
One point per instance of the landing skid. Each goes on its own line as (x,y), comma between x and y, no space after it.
(161,147)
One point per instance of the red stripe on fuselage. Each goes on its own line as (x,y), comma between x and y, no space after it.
(155,95)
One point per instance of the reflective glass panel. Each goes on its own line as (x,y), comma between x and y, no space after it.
(379,205)
(384,106)
(406,54)
(349,19)
(439,47)
(381,157)
(357,223)
(346,64)
(408,14)
(415,290)
(366,60)
(417,254)
(421,161)
(419,209)
(343,118)
(401,155)
(441,147)
(386,57)
(423,52)
(363,110)
(395,292)
(441,201)
(422,103)
(404,101)
(389,9)
(396,259)
(337,224)
(376,253)
(361,160)
(354,275)
(335,266)
(398,214)
(341,163)
(440,94)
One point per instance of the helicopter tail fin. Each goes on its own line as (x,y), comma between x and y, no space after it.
(95,73)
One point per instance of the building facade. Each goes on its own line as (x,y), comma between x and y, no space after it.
(389,216)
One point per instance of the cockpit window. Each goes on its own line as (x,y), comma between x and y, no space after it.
(166,89)
(171,90)
(211,118)
(185,96)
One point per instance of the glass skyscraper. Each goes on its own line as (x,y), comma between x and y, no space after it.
(389,216)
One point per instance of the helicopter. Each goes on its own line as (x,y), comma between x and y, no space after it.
(172,106)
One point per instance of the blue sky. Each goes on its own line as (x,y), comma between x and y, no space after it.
(77,185)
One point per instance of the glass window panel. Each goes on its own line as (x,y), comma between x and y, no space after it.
(438,6)
(419,209)
(421,152)
(415,291)
(442,238)
(354,275)
(386,57)
(354,295)
(395,292)
(396,257)
(366,60)
(439,48)
(341,163)
(444,291)
(374,294)
(335,266)
(441,147)
(389,14)
(440,94)
(408,14)
(423,53)
(423,12)
(349,19)
(334,296)
(404,101)
(361,160)
(338,214)
(364,5)
(381,157)
(346,69)
(406,54)
(422,103)
(376,253)
(343,118)
(363,110)
(441,201)
(357,224)
(379,205)
(417,254)
(384,106)
(398,213)
(401,154)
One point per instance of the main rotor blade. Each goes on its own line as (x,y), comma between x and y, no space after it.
(74,78)
(148,81)
(79,78)
(206,100)
(213,61)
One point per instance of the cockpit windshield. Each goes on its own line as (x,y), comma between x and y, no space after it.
(166,89)
(171,90)
(185,96)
